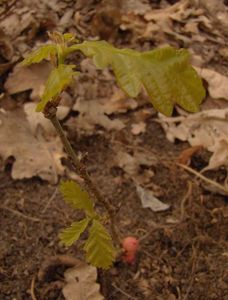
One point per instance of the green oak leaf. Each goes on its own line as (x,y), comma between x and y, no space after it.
(74,195)
(99,248)
(39,54)
(165,73)
(71,234)
(59,78)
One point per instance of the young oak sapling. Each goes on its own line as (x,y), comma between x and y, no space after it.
(168,79)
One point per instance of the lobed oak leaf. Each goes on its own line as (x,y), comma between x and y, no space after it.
(75,196)
(165,73)
(99,248)
(71,234)
(44,52)
(58,79)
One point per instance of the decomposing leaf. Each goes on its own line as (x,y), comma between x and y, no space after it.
(131,163)
(186,155)
(28,78)
(208,128)
(35,120)
(138,128)
(135,6)
(217,11)
(12,25)
(93,113)
(118,103)
(81,283)
(217,83)
(34,155)
(148,200)
(134,165)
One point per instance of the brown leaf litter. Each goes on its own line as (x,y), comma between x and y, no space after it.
(34,154)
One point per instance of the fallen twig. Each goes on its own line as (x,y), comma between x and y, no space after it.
(123,292)
(33,288)
(17,213)
(50,200)
(214,183)
(186,196)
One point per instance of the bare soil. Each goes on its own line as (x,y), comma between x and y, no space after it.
(184,259)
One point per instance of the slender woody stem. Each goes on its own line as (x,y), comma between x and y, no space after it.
(50,113)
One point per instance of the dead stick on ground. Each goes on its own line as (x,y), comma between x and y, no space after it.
(191,282)
(33,288)
(50,200)
(214,183)
(123,292)
(184,200)
(20,214)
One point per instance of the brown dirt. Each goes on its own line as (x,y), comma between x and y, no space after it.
(183,252)
(185,260)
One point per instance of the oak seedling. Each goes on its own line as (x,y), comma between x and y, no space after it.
(168,79)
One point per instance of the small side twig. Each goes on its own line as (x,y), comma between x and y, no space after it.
(214,183)
(50,113)
(155,226)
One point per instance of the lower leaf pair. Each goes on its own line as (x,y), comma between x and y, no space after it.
(99,249)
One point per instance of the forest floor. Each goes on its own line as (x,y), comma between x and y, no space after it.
(183,248)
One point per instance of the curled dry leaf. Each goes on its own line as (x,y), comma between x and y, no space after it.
(81,283)
(34,155)
(208,128)
(148,200)
(186,155)
(217,83)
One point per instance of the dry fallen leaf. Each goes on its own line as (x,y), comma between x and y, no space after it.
(135,6)
(208,128)
(148,200)
(93,113)
(118,103)
(138,128)
(35,119)
(34,155)
(217,83)
(133,165)
(217,11)
(81,283)
(28,78)
(186,155)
